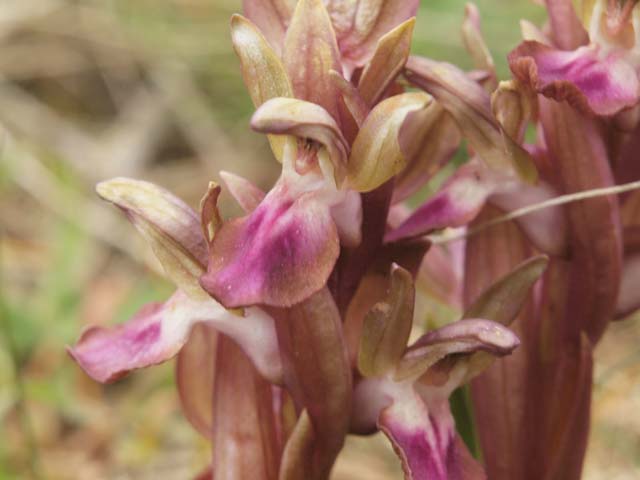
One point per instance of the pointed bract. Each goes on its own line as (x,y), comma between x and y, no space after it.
(210,219)
(388,60)
(566,29)
(387,326)
(474,41)
(310,53)
(504,299)
(262,71)
(594,224)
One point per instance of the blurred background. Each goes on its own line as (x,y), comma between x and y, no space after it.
(91,89)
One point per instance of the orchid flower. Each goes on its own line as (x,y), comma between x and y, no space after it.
(291,323)
(404,390)
(159,331)
(285,250)
(591,59)
(236,353)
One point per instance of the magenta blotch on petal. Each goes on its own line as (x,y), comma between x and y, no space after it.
(154,335)
(281,253)
(423,435)
(587,78)
(456,204)
(159,331)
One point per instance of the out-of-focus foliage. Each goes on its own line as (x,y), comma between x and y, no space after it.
(91,89)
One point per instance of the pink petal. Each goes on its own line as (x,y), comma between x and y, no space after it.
(465,336)
(462,197)
(586,78)
(423,436)
(156,333)
(456,352)
(160,330)
(456,204)
(278,255)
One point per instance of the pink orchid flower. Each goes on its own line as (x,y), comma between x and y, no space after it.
(404,390)
(334,141)
(291,324)
(592,58)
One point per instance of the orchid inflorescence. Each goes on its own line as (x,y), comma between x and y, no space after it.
(312,316)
